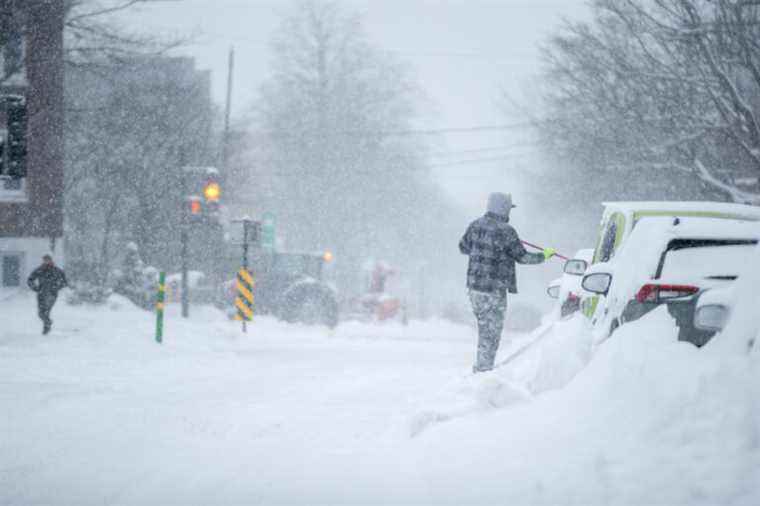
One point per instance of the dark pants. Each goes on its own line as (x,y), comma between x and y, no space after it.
(489,309)
(45,302)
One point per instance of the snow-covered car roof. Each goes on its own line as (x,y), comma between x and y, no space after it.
(651,236)
(714,228)
(742,211)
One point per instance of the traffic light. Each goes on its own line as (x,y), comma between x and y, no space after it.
(194,207)
(203,193)
(212,191)
(16,120)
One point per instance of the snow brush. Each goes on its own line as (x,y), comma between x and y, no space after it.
(531,245)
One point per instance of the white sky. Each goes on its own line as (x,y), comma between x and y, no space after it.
(462,52)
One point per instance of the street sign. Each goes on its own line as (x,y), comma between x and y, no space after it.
(244,299)
(268,231)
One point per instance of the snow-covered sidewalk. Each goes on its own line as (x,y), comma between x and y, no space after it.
(97,413)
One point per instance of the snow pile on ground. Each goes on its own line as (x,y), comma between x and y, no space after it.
(98,413)
(527,365)
(650,420)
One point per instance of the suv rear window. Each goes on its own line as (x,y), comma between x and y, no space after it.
(700,259)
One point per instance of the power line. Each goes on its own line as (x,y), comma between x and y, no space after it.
(490,149)
(472,161)
(416,169)
(471,129)
(400,133)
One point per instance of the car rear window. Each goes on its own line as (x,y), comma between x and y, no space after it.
(699,259)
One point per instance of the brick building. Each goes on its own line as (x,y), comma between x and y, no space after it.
(31,84)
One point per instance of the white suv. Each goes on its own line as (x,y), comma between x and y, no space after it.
(667,260)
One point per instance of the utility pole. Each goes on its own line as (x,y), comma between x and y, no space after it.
(185,224)
(227,109)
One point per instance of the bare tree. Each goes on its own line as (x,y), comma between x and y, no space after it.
(133,133)
(92,37)
(660,85)
(129,128)
(330,116)
(95,40)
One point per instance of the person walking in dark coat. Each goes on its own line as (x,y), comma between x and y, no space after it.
(493,247)
(47,280)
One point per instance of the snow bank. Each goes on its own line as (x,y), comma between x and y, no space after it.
(562,348)
(650,420)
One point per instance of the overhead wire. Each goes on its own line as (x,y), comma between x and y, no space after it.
(474,161)
(410,132)
(490,149)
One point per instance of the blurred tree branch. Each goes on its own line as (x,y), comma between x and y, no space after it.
(335,175)
(92,37)
(663,84)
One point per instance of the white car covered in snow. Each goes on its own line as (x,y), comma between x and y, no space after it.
(619,219)
(668,261)
(567,289)
(732,310)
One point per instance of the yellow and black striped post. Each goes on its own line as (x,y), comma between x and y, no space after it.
(244,299)
(160,307)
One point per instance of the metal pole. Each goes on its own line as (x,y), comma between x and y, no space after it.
(246,223)
(228,108)
(160,307)
(184,225)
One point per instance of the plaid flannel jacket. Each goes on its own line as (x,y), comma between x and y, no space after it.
(494,246)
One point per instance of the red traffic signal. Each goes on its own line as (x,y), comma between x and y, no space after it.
(195,206)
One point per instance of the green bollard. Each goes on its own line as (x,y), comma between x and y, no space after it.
(160,307)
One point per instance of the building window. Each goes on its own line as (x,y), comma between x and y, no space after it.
(13,51)
(13,153)
(11,270)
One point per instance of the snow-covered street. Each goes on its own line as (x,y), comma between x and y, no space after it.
(97,413)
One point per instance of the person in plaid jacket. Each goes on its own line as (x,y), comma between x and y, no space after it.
(494,247)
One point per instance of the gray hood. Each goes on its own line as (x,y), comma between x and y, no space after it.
(500,203)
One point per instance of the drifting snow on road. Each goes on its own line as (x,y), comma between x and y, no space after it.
(96,413)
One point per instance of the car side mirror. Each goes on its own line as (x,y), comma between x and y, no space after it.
(553,291)
(711,317)
(597,282)
(575,267)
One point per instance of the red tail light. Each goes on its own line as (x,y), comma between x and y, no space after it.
(655,293)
